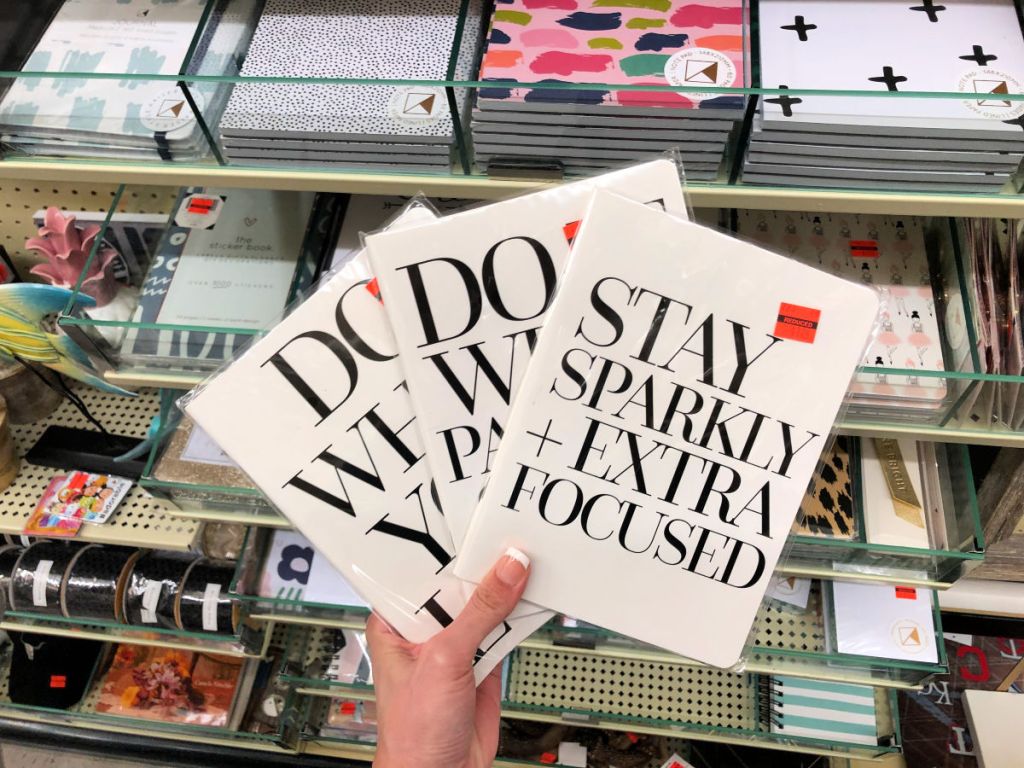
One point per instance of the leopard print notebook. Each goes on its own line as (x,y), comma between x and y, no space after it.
(827,509)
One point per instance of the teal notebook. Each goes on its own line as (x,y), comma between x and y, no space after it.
(816,709)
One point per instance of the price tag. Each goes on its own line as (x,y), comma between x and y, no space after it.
(42,573)
(150,598)
(210,599)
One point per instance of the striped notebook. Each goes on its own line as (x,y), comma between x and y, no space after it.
(817,709)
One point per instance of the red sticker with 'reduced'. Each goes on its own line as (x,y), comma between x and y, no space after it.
(797,323)
(58,681)
(570,230)
(864,249)
(201,205)
(906,593)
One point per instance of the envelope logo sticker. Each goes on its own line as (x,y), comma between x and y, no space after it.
(170,108)
(419,104)
(909,635)
(701,71)
(786,585)
(994,88)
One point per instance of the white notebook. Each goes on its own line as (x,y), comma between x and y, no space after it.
(995,719)
(129,36)
(891,622)
(317,414)
(639,513)
(466,299)
(973,47)
(367,39)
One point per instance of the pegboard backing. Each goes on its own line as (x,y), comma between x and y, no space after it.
(20,199)
(632,688)
(140,520)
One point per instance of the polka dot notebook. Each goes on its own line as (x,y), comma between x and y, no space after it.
(373,39)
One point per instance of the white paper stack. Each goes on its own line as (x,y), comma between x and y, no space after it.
(973,47)
(351,125)
(614,47)
(121,118)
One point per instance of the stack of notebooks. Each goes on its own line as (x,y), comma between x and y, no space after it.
(352,125)
(609,44)
(121,118)
(974,143)
(889,254)
(230,260)
(363,414)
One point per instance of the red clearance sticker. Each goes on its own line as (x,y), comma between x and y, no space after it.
(864,249)
(348,708)
(906,593)
(374,288)
(797,323)
(58,681)
(201,205)
(549,758)
(570,230)
(633,738)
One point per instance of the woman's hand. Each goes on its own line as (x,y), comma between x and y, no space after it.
(430,712)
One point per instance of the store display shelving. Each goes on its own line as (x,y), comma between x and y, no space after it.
(140,520)
(561,675)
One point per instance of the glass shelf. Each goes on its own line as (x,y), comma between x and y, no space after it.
(144,323)
(787,640)
(644,697)
(859,560)
(284,610)
(202,486)
(202,108)
(250,641)
(85,715)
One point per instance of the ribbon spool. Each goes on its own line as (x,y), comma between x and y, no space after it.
(151,588)
(94,583)
(9,555)
(204,603)
(38,575)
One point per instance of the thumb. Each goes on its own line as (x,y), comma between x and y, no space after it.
(491,603)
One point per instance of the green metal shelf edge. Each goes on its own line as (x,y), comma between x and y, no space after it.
(480,187)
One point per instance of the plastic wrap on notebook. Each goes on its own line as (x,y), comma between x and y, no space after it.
(680,395)
(466,303)
(317,414)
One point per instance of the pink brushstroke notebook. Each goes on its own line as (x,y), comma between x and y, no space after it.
(617,42)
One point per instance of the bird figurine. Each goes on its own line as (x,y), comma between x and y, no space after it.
(23,306)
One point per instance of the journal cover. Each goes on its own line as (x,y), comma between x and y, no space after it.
(896,501)
(883,620)
(170,685)
(828,507)
(317,414)
(933,723)
(130,36)
(227,260)
(889,254)
(294,570)
(353,39)
(466,304)
(820,709)
(973,47)
(680,395)
(666,42)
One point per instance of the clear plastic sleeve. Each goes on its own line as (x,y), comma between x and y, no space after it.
(318,414)
(681,392)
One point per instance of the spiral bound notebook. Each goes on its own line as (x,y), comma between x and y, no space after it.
(818,709)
